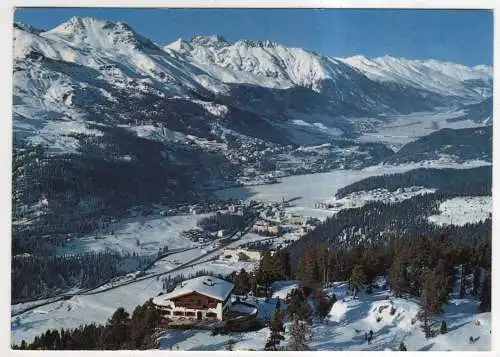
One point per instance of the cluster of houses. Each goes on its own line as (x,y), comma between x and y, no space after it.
(327,205)
(219,242)
(199,208)
(200,235)
(241,254)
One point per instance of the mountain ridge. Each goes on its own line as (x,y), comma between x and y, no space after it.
(85,68)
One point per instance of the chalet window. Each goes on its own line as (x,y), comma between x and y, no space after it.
(167,312)
(211,314)
(178,313)
(190,313)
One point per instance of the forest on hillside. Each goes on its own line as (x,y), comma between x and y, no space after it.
(75,193)
(459,182)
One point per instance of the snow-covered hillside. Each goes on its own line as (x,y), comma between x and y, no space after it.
(462,210)
(259,62)
(347,323)
(350,318)
(343,328)
(435,76)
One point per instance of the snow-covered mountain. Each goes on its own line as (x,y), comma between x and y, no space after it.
(272,65)
(93,71)
(445,78)
(263,63)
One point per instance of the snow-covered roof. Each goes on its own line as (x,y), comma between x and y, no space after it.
(206,285)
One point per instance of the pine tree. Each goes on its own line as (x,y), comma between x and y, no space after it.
(242,283)
(437,286)
(309,269)
(322,302)
(477,281)
(283,258)
(462,281)
(398,277)
(300,334)
(485,296)
(117,330)
(358,277)
(298,305)
(277,329)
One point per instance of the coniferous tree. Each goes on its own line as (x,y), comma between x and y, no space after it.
(398,277)
(437,286)
(277,330)
(242,283)
(477,281)
(117,330)
(283,258)
(300,334)
(462,281)
(298,305)
(358,277)
(309,264)
(24,345)
(485,296)
(322,303)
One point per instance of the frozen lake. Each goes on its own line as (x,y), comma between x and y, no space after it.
(312,188)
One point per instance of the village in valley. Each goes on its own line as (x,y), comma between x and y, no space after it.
(201,194)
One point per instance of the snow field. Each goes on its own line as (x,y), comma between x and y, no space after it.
(350,318)
(402,129)
(152,232)
(282,288)
(462,210)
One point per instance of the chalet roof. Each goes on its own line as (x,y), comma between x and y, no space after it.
(206,285)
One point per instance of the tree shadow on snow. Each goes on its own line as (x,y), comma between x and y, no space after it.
(172,338)
(456,327)
(427,347)
(210,347)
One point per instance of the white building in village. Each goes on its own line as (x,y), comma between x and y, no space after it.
(201,298)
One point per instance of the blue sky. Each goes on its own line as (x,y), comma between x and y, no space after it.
(462,36)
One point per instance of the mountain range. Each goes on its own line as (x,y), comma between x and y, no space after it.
(88,70)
